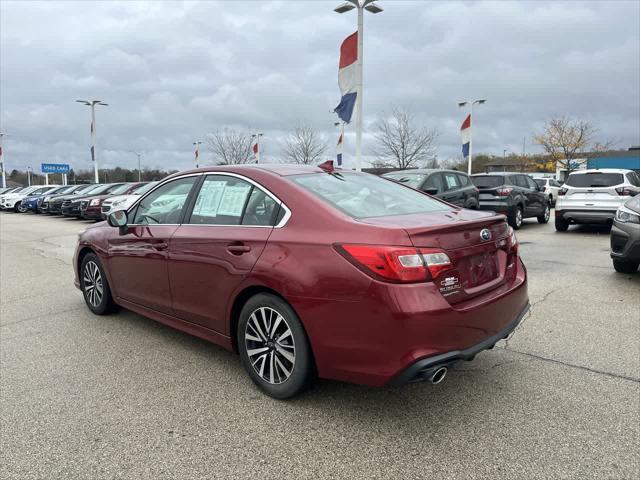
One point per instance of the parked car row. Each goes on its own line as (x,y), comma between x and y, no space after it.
(605,196)
(90,202)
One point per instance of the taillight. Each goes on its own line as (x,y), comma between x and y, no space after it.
(397,264)
(563,191)
(625,192)
(544,189)
(513,242)
(504,191)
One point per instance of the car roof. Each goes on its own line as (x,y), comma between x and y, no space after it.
(602,170)
(281,169)
(497,174)
(422,171)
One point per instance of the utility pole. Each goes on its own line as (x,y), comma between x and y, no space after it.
(256,147)
(139,170)
(94,159)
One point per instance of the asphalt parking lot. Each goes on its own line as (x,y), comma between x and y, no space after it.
(125,397)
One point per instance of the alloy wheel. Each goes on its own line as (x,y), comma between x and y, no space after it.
(518,217)
(547,213)
(270,345)
(93,286)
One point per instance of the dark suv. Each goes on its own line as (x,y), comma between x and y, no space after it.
(515,195)
(448,185)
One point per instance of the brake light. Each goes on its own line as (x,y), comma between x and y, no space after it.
(397,264)
(563,191)
(544,189)
(504,191)
(625,192)
(513,242)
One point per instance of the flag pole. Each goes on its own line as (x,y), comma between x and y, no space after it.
(4,175)
(359,88)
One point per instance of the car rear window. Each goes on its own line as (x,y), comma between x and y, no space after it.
(595,179)
(414,180)
(366,196)
(542,182)
(488,181)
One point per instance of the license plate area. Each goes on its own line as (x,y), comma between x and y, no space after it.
(476,270)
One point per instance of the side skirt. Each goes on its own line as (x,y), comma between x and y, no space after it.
(182,325)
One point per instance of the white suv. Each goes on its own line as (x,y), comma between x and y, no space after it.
(593,196)
(550,187)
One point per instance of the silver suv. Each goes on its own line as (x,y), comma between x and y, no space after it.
(593,196)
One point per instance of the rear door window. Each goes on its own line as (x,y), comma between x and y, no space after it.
(531,183)
(221,201)
(488,181)
(594,180)
(521,181)
(463,180)
(633,179)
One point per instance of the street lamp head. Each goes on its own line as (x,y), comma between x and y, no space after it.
(344,8)
(480,101)
(373,8)
(462,104)
(84,102)
(102,103)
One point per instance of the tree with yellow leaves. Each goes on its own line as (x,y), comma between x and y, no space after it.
(564,140)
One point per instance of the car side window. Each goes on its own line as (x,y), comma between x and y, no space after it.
(532,185)
(164,205)
(463,180)
(261,209)
(434,181)
(633,179)
(521,181)
(451,181)
(512,180)
(220,201)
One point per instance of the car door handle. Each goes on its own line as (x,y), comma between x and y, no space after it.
(159,246)
(238,249)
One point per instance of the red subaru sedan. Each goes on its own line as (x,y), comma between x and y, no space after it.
(309,271)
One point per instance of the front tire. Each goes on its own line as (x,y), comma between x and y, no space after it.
(94,285)
(625,267)
(18,208)
(544,218)
(273,346)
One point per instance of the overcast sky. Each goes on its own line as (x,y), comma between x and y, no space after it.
(172,72)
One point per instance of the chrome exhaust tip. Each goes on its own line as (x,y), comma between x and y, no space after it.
(438,376)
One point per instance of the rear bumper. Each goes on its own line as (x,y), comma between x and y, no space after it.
(586,216)
(400,328)
(420,369)
(498,206)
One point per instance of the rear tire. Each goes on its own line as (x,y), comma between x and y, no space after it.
(273,346)
(544,218)
(95,286)
(625,267)
(561,224)
(517,218)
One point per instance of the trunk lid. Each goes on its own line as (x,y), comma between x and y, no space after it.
(488,185)
(479,263)
(593,189)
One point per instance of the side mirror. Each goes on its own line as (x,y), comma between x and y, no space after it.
(431,191)
(118,219)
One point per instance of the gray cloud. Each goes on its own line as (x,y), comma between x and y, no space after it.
(174,72)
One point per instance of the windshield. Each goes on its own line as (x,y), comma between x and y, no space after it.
(633,203)
(144,188)
(595,179)
(98,189)
(121,189)
(412,179)
(87,188)
(365,195)
(488,181)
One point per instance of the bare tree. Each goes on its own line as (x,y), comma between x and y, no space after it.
(304,146)
(230,147)
(565,139)
(402,144)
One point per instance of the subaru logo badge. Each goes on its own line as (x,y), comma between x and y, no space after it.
(485,234)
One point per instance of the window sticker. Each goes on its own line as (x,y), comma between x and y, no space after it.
(233,199)
(209,198)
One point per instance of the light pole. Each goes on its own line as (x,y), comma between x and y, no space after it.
(92,104)
(197,152)
(4,175)
(29,176)
(256,147)
(371,7)
(340,143)
(139,171)
(480,101)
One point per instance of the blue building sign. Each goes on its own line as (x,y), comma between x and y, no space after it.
(54,168)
